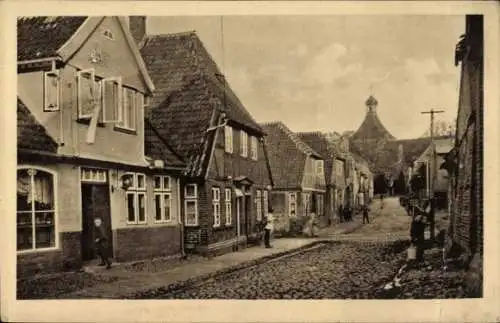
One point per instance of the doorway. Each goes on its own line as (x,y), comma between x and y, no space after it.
(95,203)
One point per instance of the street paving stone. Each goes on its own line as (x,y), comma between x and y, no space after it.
(53,286)
(347,270)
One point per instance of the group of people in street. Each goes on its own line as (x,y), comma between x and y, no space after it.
(346,213)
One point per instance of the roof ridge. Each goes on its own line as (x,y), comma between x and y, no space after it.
(173,35)
(316,133)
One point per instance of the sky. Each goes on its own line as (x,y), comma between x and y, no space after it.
(314,73)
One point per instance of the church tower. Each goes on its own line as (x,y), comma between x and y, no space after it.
(371,128)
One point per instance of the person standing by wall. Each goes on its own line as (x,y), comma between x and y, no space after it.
(341,213)
(102,243)
(268,228)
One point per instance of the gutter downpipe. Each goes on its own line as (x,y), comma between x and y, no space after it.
(181,217)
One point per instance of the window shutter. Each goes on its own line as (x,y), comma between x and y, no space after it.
(86,93)
(51,91)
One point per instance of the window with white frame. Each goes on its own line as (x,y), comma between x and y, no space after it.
(228,204)
(93,175)
(228,139)
(131,103)
(292,204)
(112,106)
(162,199)
(136,199)
(51,91)
(306,203)
(266,201)
(258,204)
(320,167)
(254,145)
(36,205)
(244,143)
(191,205)
(216,206)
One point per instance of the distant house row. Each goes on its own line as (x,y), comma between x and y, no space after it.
(145,133)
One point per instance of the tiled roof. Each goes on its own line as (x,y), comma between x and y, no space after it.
(362,163)
(287,155)
(173,60)
(189,87)
(41,36)
(157,147)
(320,143)
(413,148)
(444,144)
(383,156)
(30,133)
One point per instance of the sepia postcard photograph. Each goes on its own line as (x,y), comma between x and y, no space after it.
(176,156)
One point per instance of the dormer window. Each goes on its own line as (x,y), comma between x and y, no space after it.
(228,139)
(244,143)
(108,34)
(254,147)
(51,91)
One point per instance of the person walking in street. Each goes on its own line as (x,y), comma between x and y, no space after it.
(366,210)
(341,213)
(268,228)
(102,243)
(346,213)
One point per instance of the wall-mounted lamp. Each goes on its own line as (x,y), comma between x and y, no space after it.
(126,181)
(269,187)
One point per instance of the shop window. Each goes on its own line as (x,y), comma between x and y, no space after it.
(36,213)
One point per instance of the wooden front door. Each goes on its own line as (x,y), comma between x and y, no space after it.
(248,212)
(95,203)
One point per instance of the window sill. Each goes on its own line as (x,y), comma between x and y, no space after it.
(125,130)
(137,223)
(166,223)
(41,250)
(86,121)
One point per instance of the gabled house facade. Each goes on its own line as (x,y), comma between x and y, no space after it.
(325,144)
(364,193)
(227,181)
(82,147)
(298,176)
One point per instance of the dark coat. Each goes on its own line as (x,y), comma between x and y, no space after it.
(100,233)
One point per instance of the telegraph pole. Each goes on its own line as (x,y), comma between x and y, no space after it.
(432,178)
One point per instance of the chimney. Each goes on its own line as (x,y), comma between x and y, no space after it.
(137,25)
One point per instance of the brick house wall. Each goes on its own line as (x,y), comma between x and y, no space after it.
(467,196)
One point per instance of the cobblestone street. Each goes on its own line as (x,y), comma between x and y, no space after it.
(351,264)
